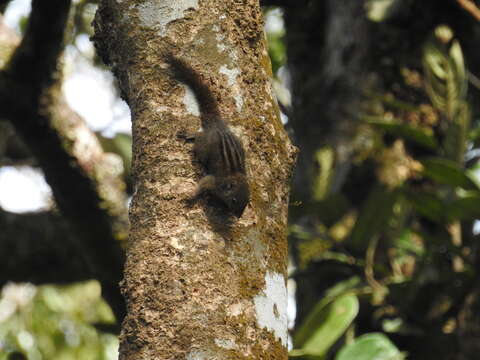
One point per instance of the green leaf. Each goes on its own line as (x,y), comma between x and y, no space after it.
(325,324)
(325,159)
(465,208)
(373,346)
(474,134)
(120,144)
(342,287)
(427,204)
(456,56)
(373,217)
(382,10)
(445,75)
(406,245)
(406,132)
(456,134)
(448,172)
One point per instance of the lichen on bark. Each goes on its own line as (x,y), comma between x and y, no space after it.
(192,274)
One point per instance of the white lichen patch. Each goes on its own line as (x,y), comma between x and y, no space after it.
(190,102)
(220,46)
(236,309)
(219,36)
(226,344)
(158,14)
(271,306)
(200,355)
(233,56)
(238,101)
(175,242)
(231,75)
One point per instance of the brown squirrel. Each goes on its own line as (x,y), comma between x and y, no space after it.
(216,147)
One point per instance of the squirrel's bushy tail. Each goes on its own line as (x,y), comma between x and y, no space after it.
(207,102)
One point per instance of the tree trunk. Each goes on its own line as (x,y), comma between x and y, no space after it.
(326,83)
(199,284)
(326,89)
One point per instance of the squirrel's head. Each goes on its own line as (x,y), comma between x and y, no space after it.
(233,192)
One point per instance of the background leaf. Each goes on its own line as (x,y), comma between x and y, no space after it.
(448,172)
(374,346)
(326,323)
(416,135)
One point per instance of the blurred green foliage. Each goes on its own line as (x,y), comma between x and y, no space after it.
(275,36)
(382,10)
(55,323)
(120,144)
(410,229)
(374,346)
(329,319)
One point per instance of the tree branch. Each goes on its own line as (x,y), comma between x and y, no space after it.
(3,5)
(85,181)
(470,6)
(39,248)
(13,150)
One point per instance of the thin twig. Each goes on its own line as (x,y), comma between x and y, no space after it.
(471,7)
(370,261)
(474,80)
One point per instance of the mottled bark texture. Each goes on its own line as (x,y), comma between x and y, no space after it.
(85,182)
(199,285)
(327,48)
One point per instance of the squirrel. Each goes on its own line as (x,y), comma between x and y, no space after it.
(216,147)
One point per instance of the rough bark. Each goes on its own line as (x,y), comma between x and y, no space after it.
(86,182)
(199,285)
